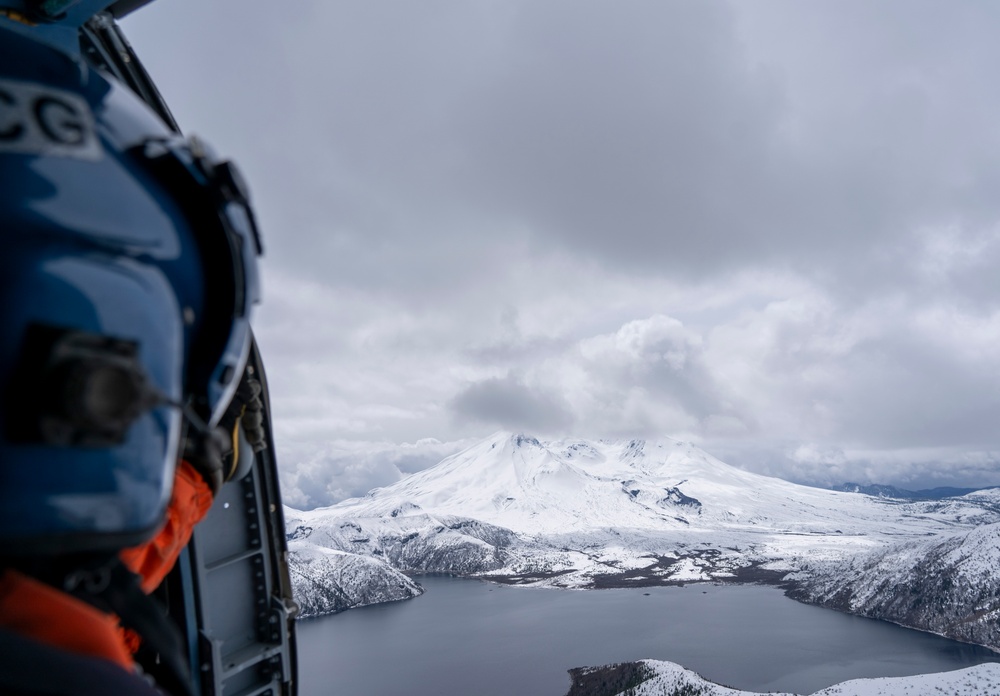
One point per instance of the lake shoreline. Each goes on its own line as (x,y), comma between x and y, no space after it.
(473,634)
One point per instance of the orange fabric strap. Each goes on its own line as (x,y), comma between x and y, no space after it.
(38,611)
(189,504)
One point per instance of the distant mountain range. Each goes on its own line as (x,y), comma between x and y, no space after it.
(880,490)
(579,513)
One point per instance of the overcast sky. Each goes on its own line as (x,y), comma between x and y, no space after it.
(770,228)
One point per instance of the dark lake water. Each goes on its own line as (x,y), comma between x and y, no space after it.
(471,638)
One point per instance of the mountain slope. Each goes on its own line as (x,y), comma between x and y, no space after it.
(948,585)
(326,581)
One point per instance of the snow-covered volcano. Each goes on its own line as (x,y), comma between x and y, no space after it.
(577,513)
(572,486)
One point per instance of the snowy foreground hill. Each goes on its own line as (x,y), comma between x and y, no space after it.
(327,581)
(586,514)
(656,678)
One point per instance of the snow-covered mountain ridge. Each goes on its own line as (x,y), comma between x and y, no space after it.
(884,491)
(576,513)
(326,581)
(659,678)
(948,585)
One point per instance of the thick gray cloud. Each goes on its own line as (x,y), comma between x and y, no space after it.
(768,227)
(683,136)
(512,405)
